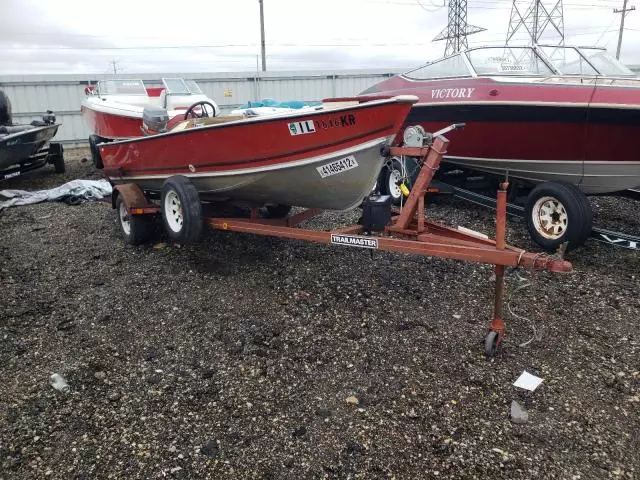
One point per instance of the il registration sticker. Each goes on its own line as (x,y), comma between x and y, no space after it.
(337,166)
(300,128)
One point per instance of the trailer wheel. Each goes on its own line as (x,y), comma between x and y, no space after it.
(275,210)
(491,344)
(388,180)
(181,210)
(58,164)
(557,213)
(95,153)
(137,229)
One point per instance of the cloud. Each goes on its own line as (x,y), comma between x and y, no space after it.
(72,36)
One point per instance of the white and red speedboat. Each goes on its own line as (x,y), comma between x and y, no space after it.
(327,158)
(113,108)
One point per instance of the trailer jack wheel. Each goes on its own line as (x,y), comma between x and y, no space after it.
(491,344)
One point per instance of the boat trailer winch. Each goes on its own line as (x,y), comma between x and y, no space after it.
(408,231)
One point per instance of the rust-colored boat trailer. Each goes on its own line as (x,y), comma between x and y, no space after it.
(408,232)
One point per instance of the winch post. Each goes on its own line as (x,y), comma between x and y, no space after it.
(429,166)
(497,324)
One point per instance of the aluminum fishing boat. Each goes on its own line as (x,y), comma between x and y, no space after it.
(113,108)
(26,147)
(327,158)
(563,114)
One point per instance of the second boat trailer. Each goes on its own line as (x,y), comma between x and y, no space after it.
(407,231)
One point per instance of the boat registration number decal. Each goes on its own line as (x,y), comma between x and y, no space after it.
(354,241)
(300,128)
(337,166)
(511,67)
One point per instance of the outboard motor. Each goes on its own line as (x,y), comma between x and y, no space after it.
(49,118)
(154,120)
(5,110)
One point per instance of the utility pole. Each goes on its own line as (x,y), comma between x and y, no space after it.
(624,14)
(114,64)
(264,52)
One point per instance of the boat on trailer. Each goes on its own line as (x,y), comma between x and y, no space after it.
(568,118)
(327,158)
(408,231)
(25,147)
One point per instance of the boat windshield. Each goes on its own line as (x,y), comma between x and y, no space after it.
(507,61)
(542,60)
(605,63)
(175,86)
(454,66)
(193,87)
(568,60)
(121,87)
(179,86)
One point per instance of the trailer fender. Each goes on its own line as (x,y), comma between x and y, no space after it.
(132,196)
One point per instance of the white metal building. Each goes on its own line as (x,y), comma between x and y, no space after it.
(32,95)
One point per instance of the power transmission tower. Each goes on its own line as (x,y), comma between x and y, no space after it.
(624,14)
(457,29)
(114,65)
(538,17)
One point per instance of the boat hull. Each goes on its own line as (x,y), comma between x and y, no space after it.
(16,148)
(292,184)
(331,161)
(112,125)
(582,134)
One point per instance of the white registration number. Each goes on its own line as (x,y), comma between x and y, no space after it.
(337,166)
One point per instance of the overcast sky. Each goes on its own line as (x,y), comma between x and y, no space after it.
(73,36)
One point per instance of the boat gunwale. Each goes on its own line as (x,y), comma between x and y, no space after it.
(412,99)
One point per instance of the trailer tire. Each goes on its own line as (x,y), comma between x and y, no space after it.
(558,213)
(95,152)
(181,210)
(58,164)
(136,229)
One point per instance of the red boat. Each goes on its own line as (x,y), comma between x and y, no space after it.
(565,115)
(327,158)
(113,108)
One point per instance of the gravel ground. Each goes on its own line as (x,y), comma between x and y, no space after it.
(251,357)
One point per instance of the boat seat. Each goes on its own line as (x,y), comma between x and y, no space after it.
(190,123)
(177,102)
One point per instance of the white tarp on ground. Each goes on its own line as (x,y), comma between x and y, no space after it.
(73,192)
